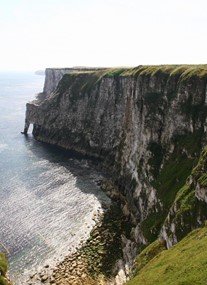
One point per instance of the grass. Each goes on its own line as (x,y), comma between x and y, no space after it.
(3,281)
(147,254)
(183,264)
(3,264)
(84,80)
(185,71)
(3,269)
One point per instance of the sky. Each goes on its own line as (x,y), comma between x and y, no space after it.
(36,34)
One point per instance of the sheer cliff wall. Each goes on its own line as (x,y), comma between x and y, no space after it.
(147,125)
(54,75)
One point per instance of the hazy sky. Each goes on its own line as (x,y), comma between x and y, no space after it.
(35,34)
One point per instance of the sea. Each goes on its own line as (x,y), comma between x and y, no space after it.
(48,197)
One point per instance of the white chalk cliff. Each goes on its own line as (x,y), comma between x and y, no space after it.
(147,124)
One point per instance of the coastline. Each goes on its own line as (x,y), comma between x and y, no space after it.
(76,237)
(47,273)
(94,262)
(47,266)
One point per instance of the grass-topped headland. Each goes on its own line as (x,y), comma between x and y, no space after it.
(86,78)
(185,71)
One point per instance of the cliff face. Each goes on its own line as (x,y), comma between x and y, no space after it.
(54,75)
(52,78)
(148,124)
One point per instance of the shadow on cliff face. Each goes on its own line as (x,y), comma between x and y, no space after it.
(86,170)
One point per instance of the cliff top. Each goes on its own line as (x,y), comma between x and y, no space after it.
(185,71)
(89,76)
(76,68)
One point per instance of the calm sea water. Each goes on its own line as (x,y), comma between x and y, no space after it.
(48,198)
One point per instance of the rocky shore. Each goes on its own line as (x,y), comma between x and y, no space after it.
(95,261)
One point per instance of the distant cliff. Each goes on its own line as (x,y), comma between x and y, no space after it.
(53,76)
(148,126)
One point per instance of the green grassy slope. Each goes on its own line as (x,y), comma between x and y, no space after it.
(185,71)
(183,264)
(3,269)
(3,264)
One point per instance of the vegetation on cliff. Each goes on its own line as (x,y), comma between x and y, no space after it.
(90,78)
(185,263)
(188,210)
(148,126)
(185,70)
(3,269)
(169,180)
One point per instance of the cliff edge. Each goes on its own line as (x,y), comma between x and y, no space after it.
(148,126)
